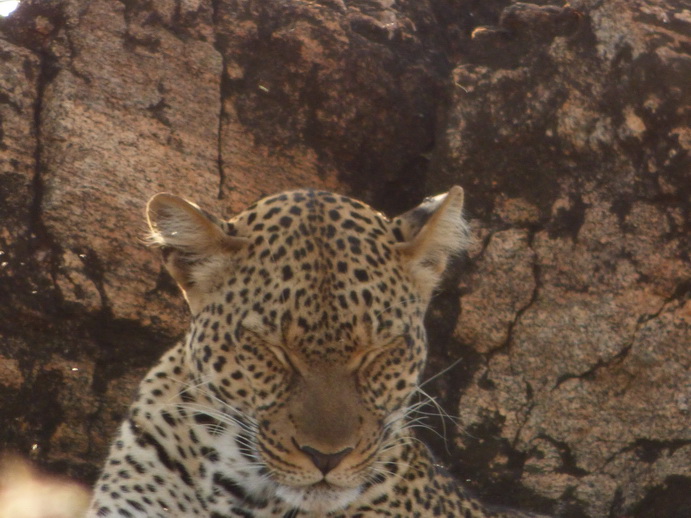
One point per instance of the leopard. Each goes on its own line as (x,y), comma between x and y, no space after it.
(293,392)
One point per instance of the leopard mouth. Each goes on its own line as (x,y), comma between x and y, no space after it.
(321,497)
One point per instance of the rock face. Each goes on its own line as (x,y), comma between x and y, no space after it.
(568,126)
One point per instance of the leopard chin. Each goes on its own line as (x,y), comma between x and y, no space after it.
(321,498)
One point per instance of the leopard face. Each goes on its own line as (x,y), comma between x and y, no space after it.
(308,328)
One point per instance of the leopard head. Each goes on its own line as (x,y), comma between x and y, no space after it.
(308,313)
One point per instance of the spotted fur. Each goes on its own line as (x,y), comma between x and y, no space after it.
(291,394)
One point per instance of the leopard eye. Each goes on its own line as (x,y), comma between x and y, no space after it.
(264,346)
(361,361)
(284,358)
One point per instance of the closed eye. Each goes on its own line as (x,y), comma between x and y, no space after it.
(281,355)
(362,358)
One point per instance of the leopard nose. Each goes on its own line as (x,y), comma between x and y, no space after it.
(325,462)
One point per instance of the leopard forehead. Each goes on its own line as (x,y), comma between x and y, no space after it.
(320,274)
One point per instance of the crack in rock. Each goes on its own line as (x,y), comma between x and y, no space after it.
(622,354)
(521,311)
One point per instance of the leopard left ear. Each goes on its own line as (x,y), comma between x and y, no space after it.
(192,242)
(430,235)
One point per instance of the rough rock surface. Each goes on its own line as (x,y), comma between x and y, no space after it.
(568,126)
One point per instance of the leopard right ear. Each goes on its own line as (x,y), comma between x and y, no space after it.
(429,235)
(190,239)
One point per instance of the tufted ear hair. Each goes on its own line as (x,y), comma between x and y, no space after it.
(430,235)
(189,238)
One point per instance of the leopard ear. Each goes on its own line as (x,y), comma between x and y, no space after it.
(189,238)
(430,235)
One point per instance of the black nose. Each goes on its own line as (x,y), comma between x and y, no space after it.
(325,462)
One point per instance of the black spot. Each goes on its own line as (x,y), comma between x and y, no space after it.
(276,199)
(278,254)
(285,221)
(361,275)
(210,453)
(168,418)
(145,439)
(349,224)
(271,213)
(219,363)
(342,266)
(356,215)
(371,261)
(230,486)
(287,273)
(205,419)
(303,324)
(398,235)
(355,245)
(367,296)
(135,505)
(378,501)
